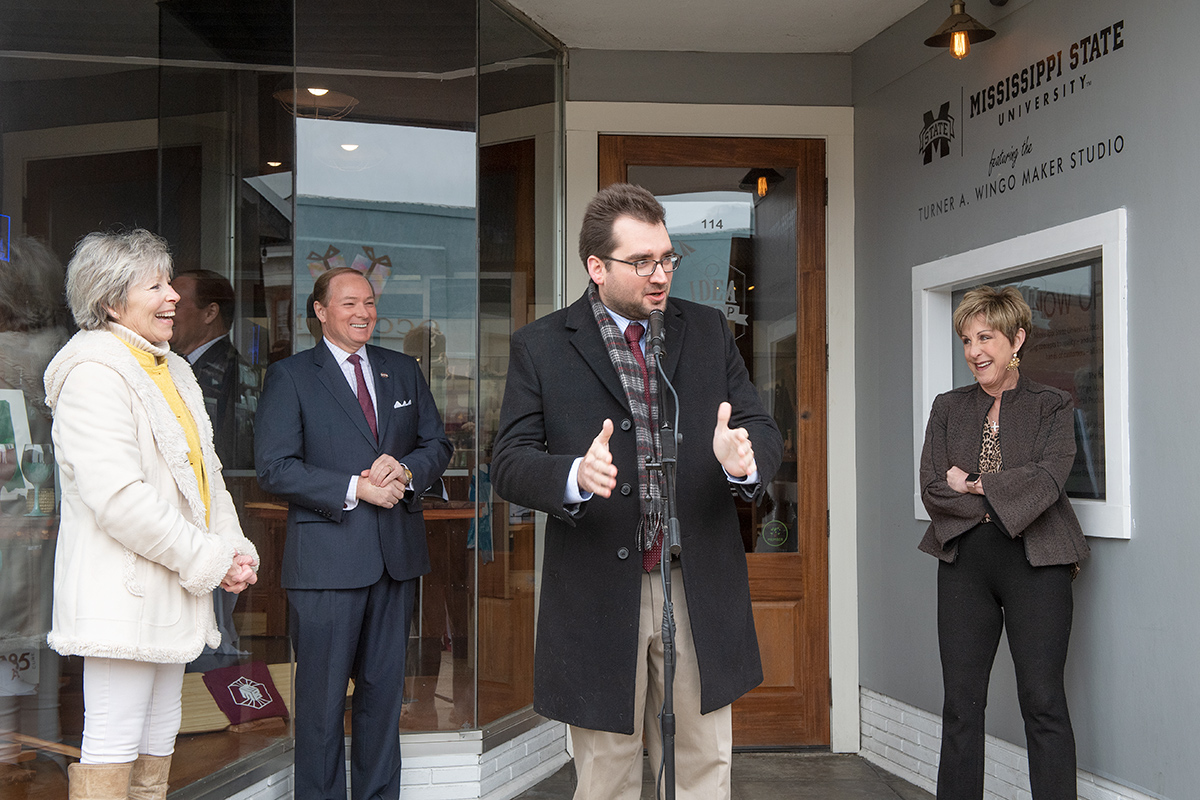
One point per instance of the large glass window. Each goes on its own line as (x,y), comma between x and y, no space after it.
(117,118)
(268,141)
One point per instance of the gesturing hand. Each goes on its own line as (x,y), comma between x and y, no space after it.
(732,446)
(597,474)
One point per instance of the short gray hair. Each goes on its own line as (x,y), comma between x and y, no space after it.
(103,268)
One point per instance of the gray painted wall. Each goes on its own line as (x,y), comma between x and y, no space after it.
(638,76)
(1132,673)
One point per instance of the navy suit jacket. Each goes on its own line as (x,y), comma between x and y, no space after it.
(311,435)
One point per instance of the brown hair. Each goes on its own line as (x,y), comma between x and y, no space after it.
(212,287)
(321,287)
(618,200)
(1004,310)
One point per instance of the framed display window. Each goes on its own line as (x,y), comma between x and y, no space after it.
(1073,277)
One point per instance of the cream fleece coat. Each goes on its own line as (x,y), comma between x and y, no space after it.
(135,563)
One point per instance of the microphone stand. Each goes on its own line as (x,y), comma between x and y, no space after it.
(672,547)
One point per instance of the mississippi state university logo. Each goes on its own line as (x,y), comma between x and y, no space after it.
(251,694)
(937,133)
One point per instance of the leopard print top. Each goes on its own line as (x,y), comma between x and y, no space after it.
(989,454)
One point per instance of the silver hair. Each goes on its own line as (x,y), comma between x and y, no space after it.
(105,266)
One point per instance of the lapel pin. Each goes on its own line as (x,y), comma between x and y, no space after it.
(383,374)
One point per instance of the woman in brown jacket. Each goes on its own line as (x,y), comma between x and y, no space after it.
(993,473)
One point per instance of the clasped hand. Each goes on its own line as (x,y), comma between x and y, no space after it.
(382,485)
(598,475)
(241,574)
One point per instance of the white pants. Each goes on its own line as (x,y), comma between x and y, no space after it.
(129,707)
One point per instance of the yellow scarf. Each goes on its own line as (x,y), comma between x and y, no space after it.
(156,368)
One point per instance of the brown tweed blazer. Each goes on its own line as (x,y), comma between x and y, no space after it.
(1027,497)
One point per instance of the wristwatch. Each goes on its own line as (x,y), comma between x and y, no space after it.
(971,478)
(406,476)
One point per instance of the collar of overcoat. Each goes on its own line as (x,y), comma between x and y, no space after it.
(585,337)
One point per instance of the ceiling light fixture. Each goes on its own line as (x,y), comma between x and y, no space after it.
(316,103)
(349,148)
(959,31)
(274,163)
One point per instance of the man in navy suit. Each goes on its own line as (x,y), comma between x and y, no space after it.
(349,435)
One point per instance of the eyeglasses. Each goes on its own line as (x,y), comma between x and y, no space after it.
(646,266)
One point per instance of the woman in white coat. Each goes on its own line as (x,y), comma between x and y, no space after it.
(148,530)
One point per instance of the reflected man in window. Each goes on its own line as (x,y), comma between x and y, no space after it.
(203,317)
(349,435)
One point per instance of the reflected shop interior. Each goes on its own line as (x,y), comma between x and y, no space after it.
(269,141)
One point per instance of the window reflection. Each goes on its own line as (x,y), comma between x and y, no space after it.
(397,203)
(192,142)
(738,240)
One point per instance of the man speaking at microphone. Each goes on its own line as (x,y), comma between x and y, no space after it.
(578,424)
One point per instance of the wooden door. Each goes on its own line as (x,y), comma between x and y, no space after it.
(776,248)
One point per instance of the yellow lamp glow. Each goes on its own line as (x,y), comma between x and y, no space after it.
(960,44)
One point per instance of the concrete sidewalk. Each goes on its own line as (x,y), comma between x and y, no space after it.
(775,776)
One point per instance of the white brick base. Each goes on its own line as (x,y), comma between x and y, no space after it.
(906,741)
(440,770)
(275,787)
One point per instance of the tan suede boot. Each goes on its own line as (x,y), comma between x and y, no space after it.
(149,778)
(98,781)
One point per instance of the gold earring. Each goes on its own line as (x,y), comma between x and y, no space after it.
(1014,362)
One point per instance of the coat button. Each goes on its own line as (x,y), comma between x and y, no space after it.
(623,553)
(625,490)
(626,424)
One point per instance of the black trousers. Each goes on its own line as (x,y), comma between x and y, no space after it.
(340,634)
(992,586)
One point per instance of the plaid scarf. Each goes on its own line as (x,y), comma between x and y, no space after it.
(650,484)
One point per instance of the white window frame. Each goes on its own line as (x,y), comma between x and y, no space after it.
(934,353)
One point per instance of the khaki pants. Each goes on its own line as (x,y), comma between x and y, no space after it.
(609,765)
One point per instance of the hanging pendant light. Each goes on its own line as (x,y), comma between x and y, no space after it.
(959,31)
(760,180)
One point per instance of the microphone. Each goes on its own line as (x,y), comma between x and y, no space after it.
(657,334)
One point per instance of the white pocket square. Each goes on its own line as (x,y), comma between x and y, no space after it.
(402,405)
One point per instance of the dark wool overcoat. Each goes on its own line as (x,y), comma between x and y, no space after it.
(561,387)
(1027,498)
